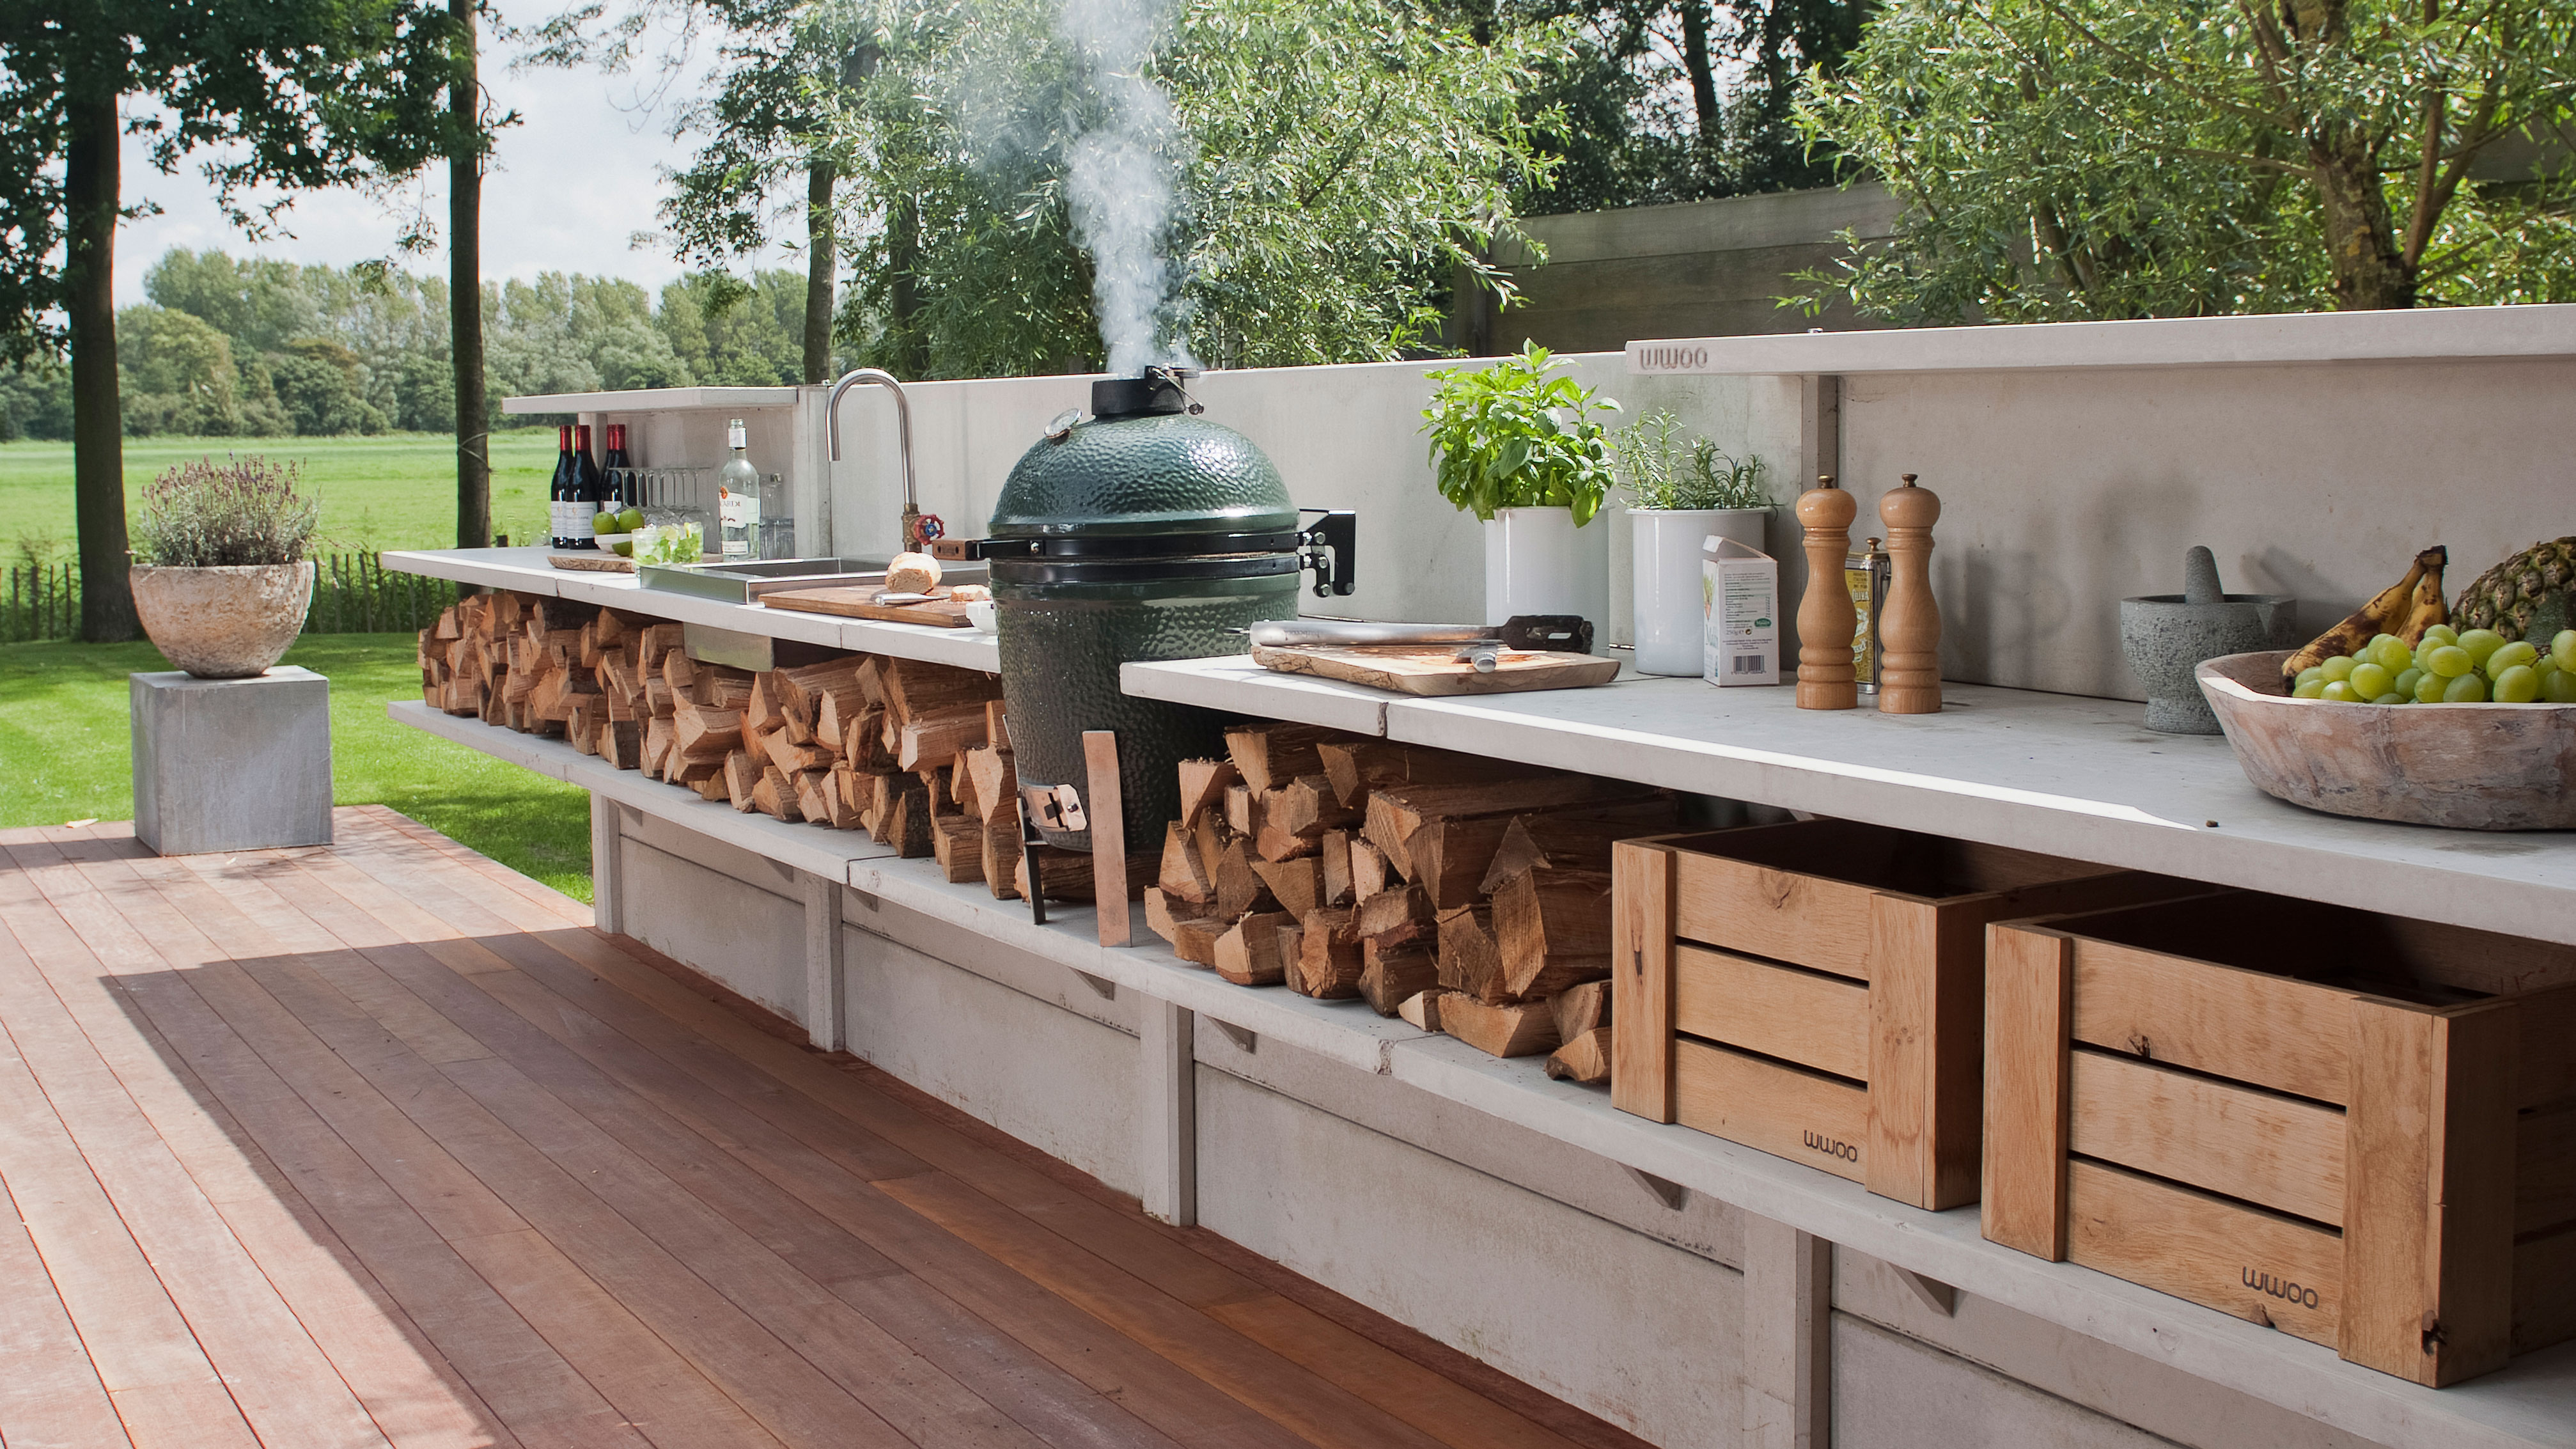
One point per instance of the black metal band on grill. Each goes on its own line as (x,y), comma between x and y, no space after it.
(1145,570)
(1134,545)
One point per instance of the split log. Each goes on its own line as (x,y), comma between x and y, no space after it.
(657,640)
(1298,884)
(621,743)
(1333,870)
(957,843)
(1422,1009)
(761,713)
(778,745)
(1241,810)
(1391,976)
(582,731)
(1203,786)
(1196,941)
(1523,1029)
(1368,870)
(1580,1009)
(1238,889)
(679,671)
(1397,914)
(1570,842)
(903,815)
(864,746)
(1066,874)
(657,745)
(711,787)
(1307,806)
(1329,962)
(1452,858)
(934,783)
(1275,841)
(721,685)
(914,689)
(996,727)
(660,700)
(1001,848)
(1181,874)
(1248,954)
(1553,928)
(701,733)
(1164,912)
(1358,767)
(773,796)
(1584,1058)
(961,787)
(1395,815)
(934,738)
(1470,962)
(1270,755)
(997,783)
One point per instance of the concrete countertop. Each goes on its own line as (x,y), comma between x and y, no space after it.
(2526,1404)
(2063,774)
(526,570)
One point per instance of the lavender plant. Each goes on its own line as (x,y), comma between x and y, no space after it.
(242,511)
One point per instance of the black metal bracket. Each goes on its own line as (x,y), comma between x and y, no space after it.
(1331,550)
(1562,633)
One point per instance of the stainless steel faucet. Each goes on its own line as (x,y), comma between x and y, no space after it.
(903,429)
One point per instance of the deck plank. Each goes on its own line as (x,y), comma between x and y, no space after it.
(381,1142)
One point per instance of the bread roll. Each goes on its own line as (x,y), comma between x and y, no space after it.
(912,573)
(970,593)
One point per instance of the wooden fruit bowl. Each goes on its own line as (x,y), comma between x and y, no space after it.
(2466,766)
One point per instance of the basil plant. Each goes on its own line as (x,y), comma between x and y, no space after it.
(1519,434)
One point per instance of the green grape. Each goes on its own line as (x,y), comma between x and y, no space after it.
(2339,668)
(2440,634)
(2309,689)
(2450,661)
(2481,642)
(2390,653)
(2519,652)
(2340,693)
(2407,679)
(2392,697)
(2559,686)
(2563,648)
(2428,690)
(2517,685)
(2316,672)
(2467,689)
(2370,681)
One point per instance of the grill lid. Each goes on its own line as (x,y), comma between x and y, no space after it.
(1144,466)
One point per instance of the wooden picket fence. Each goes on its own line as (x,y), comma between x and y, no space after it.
(353,593)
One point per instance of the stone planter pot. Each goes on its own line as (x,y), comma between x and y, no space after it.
(223,623)
(1671,610)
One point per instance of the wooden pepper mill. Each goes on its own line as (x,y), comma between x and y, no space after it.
(1909,631)
(1826,620)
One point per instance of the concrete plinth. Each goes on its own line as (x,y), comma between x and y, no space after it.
(231,764)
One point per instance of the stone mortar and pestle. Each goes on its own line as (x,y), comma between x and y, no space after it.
(2165,635)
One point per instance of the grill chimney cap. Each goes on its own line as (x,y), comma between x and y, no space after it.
(1159,390)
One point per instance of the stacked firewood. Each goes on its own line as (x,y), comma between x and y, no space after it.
(918,755)
(1463,894)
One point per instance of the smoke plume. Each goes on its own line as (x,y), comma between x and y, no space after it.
(1119,175)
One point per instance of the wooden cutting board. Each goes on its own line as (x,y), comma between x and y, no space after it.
(941,612)
(593,562)
(1432,669)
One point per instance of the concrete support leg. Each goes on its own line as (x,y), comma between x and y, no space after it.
(824,1025)
(1788,1335)
(607,872)
(1168,1157)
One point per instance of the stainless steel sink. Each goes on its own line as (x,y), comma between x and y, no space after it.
(740,583)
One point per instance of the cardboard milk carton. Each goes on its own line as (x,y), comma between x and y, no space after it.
(1740,592)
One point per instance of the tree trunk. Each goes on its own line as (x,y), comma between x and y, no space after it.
(910,354)
(2366,262)
(1703,79)
(822,267)
(98,429)
(465,292)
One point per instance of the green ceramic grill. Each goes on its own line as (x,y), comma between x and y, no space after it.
(1142,532)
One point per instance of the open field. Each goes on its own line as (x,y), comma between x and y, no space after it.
(64,740)
(393,491)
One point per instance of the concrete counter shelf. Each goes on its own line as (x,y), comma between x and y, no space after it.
(2532,1402)
(526,570)
(2060,774)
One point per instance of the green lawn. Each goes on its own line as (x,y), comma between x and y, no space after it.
(395,491)
(64,745)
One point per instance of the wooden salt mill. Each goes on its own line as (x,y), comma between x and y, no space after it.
(1826,620)
(1909,631)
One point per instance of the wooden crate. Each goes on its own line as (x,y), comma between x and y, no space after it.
(2356,1128)
(1817,989)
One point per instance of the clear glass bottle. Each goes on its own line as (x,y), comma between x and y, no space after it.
(777,518)
(738,500)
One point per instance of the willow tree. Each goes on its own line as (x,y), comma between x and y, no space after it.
(2115,158)
(277,93)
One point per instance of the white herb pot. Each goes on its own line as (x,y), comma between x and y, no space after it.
(229,622)
(1671,614)
(1535,563)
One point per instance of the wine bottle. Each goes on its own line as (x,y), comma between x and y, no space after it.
(578,507)
(738,498)
(559,490)
(618,467)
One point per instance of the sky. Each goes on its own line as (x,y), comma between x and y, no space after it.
(572,182)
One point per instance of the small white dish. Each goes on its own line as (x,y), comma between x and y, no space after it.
(980,614)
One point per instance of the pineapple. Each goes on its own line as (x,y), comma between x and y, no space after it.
(2525,597)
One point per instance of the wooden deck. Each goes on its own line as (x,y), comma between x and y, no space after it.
(383,1144)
